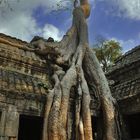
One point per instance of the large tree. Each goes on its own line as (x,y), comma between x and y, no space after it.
(75,69)
(107,52)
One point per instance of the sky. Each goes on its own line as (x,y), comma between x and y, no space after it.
(111,19)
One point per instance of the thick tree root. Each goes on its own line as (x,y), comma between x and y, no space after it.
(75,67)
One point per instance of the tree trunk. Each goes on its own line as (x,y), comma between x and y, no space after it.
(75,66)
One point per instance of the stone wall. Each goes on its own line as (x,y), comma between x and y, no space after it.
(125,87)
(22,74)
(126,75)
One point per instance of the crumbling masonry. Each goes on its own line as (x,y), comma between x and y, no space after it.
(24,81)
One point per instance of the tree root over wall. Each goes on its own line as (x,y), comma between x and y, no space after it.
(75,68)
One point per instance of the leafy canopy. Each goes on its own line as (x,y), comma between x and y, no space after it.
(107,52)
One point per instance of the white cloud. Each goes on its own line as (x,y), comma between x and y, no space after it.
(52,31)
(139,35)
(125,8)
(20,23)
(126,44)
(131,8)
(29,5)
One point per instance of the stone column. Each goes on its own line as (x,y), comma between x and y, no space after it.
(2,124)
(12,123)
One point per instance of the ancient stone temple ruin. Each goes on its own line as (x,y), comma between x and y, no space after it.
(24,81)
(22,96)
(126,89)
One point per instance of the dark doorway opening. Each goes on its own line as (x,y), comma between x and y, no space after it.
(30,127)
(97,127)
(133,124)
(94,127)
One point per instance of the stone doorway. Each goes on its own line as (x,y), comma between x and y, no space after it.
(30,127)
(97,127)
(133,125)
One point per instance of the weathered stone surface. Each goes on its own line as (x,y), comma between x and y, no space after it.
(126,89)
(22,74)
(126,75)
(129,58)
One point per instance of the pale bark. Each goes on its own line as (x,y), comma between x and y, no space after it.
(108,103)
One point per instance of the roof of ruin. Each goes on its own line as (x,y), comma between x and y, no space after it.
(127,59)
(129,86)
(13,39)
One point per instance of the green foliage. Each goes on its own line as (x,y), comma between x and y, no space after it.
(107,52)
